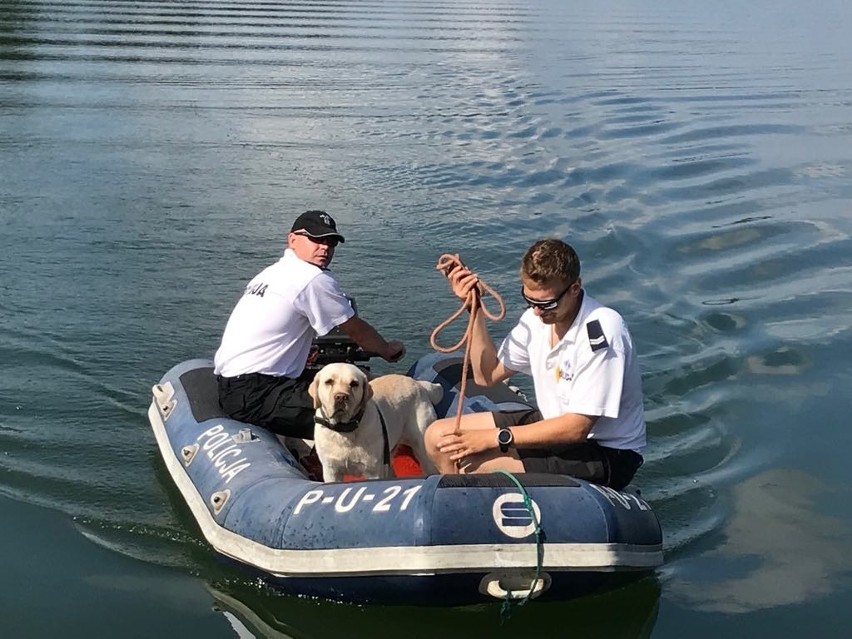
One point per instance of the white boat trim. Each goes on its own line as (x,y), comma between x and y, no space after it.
(396,560)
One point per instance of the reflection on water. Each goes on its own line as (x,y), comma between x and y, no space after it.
(263,614)
(777,548)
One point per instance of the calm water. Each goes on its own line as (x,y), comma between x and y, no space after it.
(697,154)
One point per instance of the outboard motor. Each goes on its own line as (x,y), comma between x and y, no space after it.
(337,346)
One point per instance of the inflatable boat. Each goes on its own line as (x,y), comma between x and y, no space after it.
(434,540)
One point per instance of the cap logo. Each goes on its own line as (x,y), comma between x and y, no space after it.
(326,219)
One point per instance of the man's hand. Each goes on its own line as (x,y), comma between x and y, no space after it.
(467,443)
(394,352)
(462,280)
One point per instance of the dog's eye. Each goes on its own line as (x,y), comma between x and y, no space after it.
(328,382)
(354,383)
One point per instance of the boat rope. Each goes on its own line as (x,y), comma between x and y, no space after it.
(506,608)
(474,304)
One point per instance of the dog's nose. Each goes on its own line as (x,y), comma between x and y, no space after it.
(340,398)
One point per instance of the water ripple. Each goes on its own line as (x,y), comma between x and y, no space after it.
(157,151)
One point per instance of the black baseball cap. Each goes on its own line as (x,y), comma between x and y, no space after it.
(316,224)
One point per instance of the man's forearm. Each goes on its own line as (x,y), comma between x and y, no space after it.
(367,337)
(483,354)
(570,428)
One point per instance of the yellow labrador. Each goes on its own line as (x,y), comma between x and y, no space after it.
(358,422)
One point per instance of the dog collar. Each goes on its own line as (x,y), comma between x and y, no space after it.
(339,427)
(348,427)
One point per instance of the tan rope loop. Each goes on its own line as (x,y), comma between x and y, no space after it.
(474,304)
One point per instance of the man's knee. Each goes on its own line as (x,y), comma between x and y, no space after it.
(433,433)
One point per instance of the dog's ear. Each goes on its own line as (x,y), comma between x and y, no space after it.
(367,393)
(313,391)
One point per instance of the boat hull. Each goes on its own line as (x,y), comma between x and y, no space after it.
(445,540)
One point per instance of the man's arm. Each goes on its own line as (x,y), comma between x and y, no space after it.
(368,338)
(488,370)
(569,428)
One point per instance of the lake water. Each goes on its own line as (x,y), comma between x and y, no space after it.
(697,154)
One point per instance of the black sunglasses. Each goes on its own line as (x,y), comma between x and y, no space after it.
(545,305)
(326,241)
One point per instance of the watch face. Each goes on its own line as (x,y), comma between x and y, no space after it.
(504,436)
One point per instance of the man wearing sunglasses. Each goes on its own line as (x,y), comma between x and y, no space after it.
(590,422)
(260,364)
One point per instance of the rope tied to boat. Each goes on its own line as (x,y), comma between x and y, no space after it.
(474,304)
(506,607)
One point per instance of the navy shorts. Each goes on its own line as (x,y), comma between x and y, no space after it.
(588,460)
(279,404)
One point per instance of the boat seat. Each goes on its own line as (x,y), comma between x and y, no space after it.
(203,393)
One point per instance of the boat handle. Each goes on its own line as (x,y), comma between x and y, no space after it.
(164,398)
(496,590)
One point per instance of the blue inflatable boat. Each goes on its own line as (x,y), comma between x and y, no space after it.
(436,540)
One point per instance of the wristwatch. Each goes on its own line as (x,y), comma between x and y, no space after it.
(505,439)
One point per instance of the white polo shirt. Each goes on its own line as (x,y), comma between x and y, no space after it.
(592,371)
(283,308)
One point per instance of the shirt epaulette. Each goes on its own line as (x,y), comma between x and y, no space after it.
(597,339)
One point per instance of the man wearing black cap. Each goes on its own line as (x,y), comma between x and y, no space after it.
(260,364)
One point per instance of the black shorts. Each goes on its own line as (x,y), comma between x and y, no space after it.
(588,460)
(279,404)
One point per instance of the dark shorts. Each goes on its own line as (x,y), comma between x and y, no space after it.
(279,404)
(588,460)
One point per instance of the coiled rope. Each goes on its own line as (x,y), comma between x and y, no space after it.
(474,304)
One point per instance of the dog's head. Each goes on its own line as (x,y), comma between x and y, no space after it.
(340,391)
